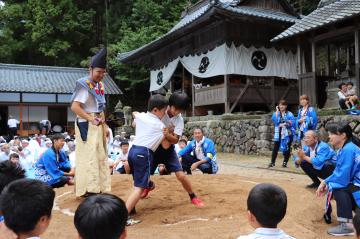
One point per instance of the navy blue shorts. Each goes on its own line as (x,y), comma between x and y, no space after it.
(141,162)
(168,157)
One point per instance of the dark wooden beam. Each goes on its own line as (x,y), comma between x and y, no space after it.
(242,93)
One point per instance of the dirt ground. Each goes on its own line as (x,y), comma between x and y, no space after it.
(167,212)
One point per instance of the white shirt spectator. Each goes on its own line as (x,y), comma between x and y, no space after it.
(177,122)
(72,159)
(87,100)
(148,129)
(4,157)
(12,123)
(341,95)
(267,233)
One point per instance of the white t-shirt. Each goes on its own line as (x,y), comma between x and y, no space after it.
(12,123)
(176,121)
(267,233)
(87,100)
(148,131)
(4,157)
(341,95)
(352,91)
(72,159)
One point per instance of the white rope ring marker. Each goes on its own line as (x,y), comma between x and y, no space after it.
(66,211)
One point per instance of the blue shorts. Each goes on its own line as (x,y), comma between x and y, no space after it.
(141,162)
(168,157)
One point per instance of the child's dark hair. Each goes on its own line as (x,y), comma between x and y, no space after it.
(341,85)
(157,101)
(101,216)
(356,222)
(179,101)
(350,83)
(124,143)
(9,172)
(57,137)
(267,202)
(23,202)
(183,141)
(13,155)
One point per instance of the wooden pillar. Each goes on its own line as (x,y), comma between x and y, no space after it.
(312,90)
(273,100)
(300,65)
(193,95)
(299,59)
(313,57)
(357,62)
(226,91)
(327,70)
(183,79)
(21,118)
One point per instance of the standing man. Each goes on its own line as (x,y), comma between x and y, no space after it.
(12,124)
(88,103)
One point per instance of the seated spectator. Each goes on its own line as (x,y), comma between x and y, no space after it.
(14,158)
(121,164)
(9,172)
(72,155)
(47,145)
(101,216)
(199,153)
(26,205)
(53,168)
(351,93)
(266,205)
(5,152)
(343,98)
(344,182)
(317,158)
(180,145)
(356,221)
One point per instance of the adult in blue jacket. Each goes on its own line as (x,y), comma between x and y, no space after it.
(284,122)
(53,168)
(316,158)
(199,153)
(344,182)
(306,119)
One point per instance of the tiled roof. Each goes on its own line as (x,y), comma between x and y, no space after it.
(46,79)
(262,13)
(228,5)
(328,14)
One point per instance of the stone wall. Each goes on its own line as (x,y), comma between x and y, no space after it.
(250,134)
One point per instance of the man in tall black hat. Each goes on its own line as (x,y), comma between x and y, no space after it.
(88,103)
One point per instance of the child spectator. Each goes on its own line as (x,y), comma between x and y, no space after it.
(26,205)
(121,164)
(180,145)
(8,172)
(351,93)
(14,158)
(266,208)
(101,216)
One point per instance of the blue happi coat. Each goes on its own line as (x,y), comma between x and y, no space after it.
(323,154)
(310,122)
(285,133)
(208,149)
(347,170)
(50,170)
